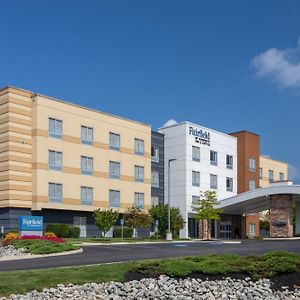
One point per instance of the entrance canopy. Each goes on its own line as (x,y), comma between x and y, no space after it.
(258,199)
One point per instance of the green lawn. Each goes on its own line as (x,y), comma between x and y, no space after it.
(43,247)
(255,266)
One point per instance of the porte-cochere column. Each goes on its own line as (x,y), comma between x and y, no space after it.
(281,216)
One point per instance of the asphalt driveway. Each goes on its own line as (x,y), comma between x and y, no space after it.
(117,253)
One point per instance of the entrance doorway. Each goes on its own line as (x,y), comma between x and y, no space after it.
(225,229)
(81,223)
(193,228)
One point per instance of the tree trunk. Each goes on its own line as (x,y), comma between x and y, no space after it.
(208,229)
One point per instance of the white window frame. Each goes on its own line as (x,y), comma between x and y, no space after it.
(87,165)
(271,177)
(86,195)
(213,181)
(252,185)
(114,198)
(57,160)
(252,164)
(229,161)
(139,173)
(155,179)
(114,169)
(195,175)
(229,187)
(139,200)
(55,128)
(213,157)
(58,192)
(87,135)
(196,154)
(155,154)
(139,146)
(114,141)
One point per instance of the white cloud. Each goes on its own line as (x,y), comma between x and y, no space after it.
(282,67)
(170,123)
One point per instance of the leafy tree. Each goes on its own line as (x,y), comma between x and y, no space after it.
(137,218)
(206,210)
(105,219)
(160,213)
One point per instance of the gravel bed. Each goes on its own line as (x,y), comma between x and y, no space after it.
(9,251)
(165,288)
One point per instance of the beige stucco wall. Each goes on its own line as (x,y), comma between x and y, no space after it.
(270,164)
(26,164)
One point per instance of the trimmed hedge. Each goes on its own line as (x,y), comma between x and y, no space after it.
(64,230)
(127,232)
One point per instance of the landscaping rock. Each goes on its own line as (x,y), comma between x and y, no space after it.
(164,288)
(9,251)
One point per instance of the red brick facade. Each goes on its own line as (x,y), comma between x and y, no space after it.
(248,146)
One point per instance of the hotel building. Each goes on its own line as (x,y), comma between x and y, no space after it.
(61,161)
(200,159)
(271,170)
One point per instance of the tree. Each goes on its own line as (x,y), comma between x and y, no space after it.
(137,218)
(206,210)
(105,219)
(160,213)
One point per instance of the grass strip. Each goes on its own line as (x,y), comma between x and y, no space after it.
(43,246)
(255,266)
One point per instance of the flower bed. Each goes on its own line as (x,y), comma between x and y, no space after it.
(44,238)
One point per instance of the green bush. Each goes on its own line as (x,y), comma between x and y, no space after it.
(74,232)
(127,232)
(64,230)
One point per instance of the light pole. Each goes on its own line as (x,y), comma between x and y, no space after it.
(169,234)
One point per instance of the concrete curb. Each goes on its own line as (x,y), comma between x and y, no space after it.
(166,242)
(282,239)
(7,258)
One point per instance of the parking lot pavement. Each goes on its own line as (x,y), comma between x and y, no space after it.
(118,253)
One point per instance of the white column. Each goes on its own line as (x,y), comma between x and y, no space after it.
(297,229)
(184,232)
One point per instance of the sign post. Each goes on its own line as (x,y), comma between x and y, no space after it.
(122,228)
(31,225)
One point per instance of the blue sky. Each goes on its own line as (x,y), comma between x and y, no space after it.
(228,65)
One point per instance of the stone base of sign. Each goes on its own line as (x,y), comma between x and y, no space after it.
(281,216)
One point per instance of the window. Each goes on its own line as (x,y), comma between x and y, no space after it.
(229,184)
(271,175)
(139,173)
(55,160)
(252,165)
(213,181)
(229,161)
(114,198)
(86,165)
(55,192)
(154,200)
(281,176)
(252,229)
(86,195)
(55,128)
(195,199)
(155,179)
(251,184)
(195,178)
(139,146)
(114,169)
(139,200)
(86,135)
(155,154)
(195,153)
(213,158)
(114,141)
(260,173)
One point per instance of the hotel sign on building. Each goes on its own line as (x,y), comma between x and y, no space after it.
(201,136)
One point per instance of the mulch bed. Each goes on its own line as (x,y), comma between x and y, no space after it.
(290,280)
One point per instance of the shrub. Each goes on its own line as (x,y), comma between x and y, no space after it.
(50,234)
(127,232)
(11,236)
(74,232)
(64,230)
(55,228)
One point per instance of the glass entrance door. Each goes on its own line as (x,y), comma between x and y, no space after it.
(225,229)
(81,223)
